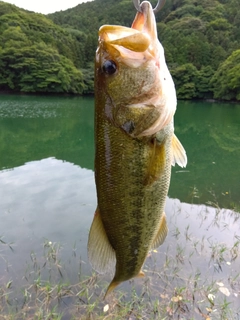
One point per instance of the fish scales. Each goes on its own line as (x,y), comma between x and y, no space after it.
(125,202)
(135,101)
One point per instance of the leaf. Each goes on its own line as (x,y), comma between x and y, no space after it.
(170,311)
(176,299)
(220,284)
(211,296)
(106,308)
(225,291)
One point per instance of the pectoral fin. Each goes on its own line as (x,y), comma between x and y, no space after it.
(179,153)
(161,234)
(100,252)
(157,162)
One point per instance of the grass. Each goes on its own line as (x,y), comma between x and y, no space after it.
(193,276)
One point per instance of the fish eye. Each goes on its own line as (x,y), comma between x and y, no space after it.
(109,67)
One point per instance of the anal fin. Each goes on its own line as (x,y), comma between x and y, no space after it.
(161,234)
(100,252)
(179,153)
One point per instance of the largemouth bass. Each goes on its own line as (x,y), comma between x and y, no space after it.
(135,146)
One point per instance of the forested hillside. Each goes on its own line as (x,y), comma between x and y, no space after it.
(36,55)
(201,40)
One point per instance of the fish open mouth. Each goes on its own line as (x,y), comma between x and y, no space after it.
(135,53)
(136,43)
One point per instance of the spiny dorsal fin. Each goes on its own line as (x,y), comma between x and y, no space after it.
(162,233)
(179,153)
(100,252)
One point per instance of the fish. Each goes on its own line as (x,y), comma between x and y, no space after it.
(135,147)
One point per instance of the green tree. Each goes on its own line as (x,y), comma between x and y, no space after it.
(36,55)
(185,78)
(203,85)
(197,36)
(226,80)
(38,69)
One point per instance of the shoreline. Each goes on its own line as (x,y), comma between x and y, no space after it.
(58,94)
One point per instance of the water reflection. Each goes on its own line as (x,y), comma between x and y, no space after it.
(45,200)
(210,134)
(48,197)
(35,128)
(53,201)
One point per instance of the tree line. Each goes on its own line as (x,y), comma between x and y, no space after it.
(55,53)
(36,55)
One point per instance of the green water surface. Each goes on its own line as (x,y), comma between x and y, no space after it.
(48,196)
(35,128)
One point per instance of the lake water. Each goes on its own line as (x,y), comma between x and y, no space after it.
(48,193)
